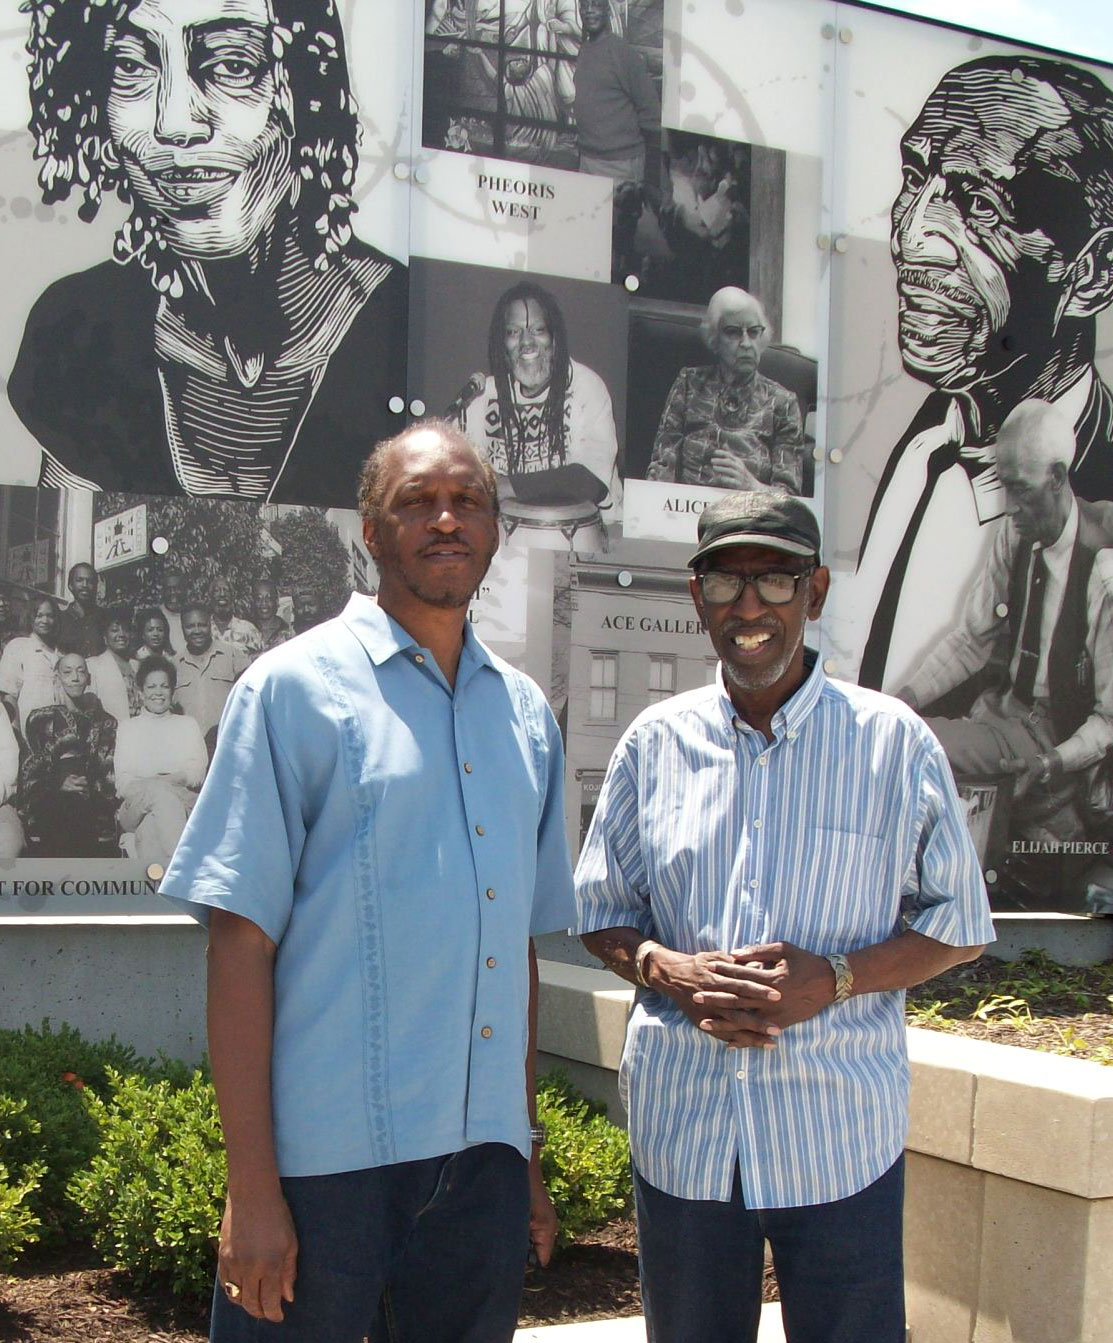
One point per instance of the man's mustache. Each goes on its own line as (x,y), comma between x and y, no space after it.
(950,287)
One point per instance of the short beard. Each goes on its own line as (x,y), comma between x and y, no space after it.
(762,678)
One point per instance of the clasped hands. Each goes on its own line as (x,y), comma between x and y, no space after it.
(746,997)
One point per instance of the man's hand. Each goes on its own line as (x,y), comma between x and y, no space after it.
(258,1254)
(724,997)
(729,469)
(1029,770)
(543,1222)
(805,983)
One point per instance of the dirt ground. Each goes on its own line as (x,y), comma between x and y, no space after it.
(1031,1003)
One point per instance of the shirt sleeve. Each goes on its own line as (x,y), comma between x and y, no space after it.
(242,844)
(786,452)
(1094,738)
(612,889)
(670,431)
(944,894)
(196,757)
(9,758)
(641,90)
(11,669)
(595,444)
(554,906)
(968,647)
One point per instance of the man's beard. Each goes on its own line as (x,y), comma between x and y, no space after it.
(446,592)
(762,678)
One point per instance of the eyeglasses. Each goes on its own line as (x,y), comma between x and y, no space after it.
(755,333)
(775,588)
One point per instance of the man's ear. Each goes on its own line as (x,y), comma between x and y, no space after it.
(1089,287)
(697,597)
(818,585)
(370,538)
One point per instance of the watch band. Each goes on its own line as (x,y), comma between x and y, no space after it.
(844,976)
(538,1135)
(644,948)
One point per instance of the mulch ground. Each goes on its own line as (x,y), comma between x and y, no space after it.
(1030,1003)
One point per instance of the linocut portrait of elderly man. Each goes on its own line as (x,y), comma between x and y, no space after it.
(241,340)
(1002,239)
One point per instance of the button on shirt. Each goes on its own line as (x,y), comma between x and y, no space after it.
(859,820)
(338,816)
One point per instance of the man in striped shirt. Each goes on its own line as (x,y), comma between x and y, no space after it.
(773,860)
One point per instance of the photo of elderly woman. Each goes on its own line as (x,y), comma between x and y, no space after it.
(725,423)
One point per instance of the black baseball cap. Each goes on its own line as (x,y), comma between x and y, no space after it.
(772,518)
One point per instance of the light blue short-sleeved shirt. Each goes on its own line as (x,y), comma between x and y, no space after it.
(400,841)
(709,837)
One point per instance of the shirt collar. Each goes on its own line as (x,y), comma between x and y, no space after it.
(1063,544)
(790,717)
(383,637)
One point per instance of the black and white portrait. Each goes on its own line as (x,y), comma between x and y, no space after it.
(544,399)
(566,83)
(241,340)
(1002,240)
(106,750)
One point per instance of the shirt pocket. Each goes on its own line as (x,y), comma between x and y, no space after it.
(836,892)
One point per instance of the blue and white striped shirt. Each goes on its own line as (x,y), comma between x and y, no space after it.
(707,837)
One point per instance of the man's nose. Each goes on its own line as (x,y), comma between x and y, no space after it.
(443,518)
(925,231)
(748,605)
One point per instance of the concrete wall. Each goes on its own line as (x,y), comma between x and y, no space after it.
(138,977)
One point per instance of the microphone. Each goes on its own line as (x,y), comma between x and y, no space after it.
(465,396)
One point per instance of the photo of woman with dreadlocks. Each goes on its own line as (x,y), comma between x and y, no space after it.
(544,419)
(242,340)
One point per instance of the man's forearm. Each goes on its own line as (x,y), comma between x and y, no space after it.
(531,1048)
(905,960)
(241,1026)
(617,949)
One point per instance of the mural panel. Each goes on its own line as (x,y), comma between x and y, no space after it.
(655,255)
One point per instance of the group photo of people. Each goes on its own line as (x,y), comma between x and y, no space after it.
(114,692)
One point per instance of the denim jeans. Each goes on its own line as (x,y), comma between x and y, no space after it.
(427,1251)
(840,1266)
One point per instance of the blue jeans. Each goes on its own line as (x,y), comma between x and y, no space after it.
(840,1266)
(427,1251)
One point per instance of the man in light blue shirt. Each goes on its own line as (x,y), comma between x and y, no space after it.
(380,835)
(774,858)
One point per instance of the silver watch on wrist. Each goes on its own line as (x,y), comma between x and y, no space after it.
(844,976)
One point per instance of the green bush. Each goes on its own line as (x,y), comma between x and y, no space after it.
(154,1192)
(50,1070)
(19,1224)
(586,1160)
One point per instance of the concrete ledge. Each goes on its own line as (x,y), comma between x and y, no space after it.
(582,1014)
(1069,939)
(1034,1117)
(140,977)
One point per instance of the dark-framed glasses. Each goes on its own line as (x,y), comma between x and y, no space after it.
(775,588)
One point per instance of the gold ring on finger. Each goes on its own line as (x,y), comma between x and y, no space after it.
(232,1289)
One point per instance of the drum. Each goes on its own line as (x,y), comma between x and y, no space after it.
(554,526)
